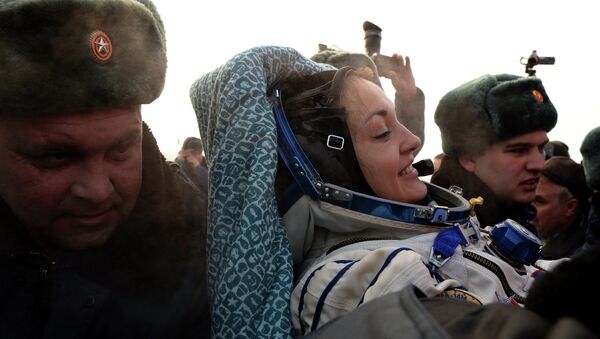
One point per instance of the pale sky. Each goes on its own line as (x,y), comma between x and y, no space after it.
(449,42)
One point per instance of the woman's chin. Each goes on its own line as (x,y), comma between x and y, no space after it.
(419,194)
(412,192)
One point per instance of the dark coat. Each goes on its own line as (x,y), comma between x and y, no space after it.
(198,175)
(592,235)
(408,314)
(493,209)
(147,281)
(568,242)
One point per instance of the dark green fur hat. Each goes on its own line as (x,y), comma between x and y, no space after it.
(490,109)
(591,157)
(76,55)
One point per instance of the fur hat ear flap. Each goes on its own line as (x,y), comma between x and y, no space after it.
(76,55)
(591,158)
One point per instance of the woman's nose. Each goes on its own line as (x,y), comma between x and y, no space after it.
(410,142)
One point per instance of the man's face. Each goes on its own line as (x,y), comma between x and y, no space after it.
(197,157)
(72,179)
(511,168)
(554,214)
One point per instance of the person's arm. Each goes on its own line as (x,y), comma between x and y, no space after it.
(411,113)
(409,99)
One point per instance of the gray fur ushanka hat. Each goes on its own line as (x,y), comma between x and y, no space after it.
(339,59)
(590,151)
(76,55)
(490,109)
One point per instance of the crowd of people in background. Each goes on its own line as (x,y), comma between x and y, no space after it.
(304,217)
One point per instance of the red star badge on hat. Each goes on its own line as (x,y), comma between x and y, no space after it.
(538,96)
(101,46)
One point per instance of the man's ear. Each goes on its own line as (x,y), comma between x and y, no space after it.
(467,162)
(572,205)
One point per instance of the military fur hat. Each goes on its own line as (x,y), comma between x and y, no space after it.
(490,109)
(76,55)
(591,157)
(339,59)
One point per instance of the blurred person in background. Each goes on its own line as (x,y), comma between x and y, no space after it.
(561,203)
(191,160)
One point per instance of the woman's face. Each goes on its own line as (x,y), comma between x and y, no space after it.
(383,146)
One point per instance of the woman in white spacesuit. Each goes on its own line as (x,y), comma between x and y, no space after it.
(357,221)
(360,221)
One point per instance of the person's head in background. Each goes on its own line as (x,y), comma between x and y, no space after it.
(591,158)
(561,196)
(70,124)
(496,127)
(556,148)
(376,157)
(362,63)
(192,150)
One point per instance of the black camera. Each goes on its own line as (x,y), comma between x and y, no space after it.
(372,38)
(533,60)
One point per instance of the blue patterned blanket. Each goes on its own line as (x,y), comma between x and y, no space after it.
(249,259)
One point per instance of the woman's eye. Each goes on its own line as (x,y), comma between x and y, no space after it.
(383,135)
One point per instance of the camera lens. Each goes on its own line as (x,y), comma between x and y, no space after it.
(532,61)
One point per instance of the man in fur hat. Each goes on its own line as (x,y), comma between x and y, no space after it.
(494,130)
(99,236)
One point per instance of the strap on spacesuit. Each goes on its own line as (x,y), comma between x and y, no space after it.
(447,240)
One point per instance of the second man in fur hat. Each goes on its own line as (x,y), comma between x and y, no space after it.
(494,129)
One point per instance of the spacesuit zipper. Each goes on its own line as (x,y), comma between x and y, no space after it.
(497,271)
